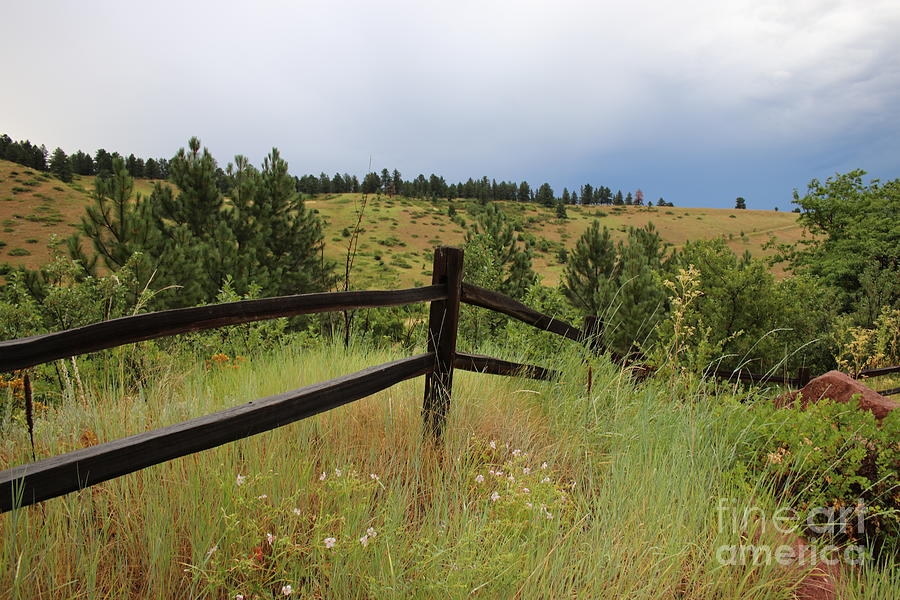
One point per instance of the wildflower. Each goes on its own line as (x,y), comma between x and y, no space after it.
(270,538)
(493,445)
(545,480)
(573,484)
(492,472)
(544,465)
(529,505)
(371,532)
(526,470)
(364,540)
(287,590)
(298,512)
(238,597)
(495,496)
(526,490)
(329,542)
(373,477)
(511,479)
(239,480)
(337,472)
(517,452)
(211,550)
(549,515)
(499,473)
(322,476)
(262,497)
(479,478)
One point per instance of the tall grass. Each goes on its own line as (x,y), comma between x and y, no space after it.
(351,504)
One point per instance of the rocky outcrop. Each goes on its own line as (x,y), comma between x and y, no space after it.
(840,387)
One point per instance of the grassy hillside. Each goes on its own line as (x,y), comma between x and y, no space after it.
(400,233)
(543,491)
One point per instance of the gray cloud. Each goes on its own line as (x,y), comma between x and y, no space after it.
(665,96)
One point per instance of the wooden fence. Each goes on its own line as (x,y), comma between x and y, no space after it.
(58,475)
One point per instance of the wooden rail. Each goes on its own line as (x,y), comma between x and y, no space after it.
(496,366)
(879,372)
(30,483)
(58,475)
(27,352)
(479,296)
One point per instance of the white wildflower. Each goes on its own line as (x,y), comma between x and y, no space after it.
(270,538)
(526,490)
(337,472)
(322,476)
(239,480)
(493,445)
(545,480)
(544,465)
(517,452)
(262,497)
(371,532)
(287,590)
(495,496)
(364,540)
(526,470)
(329,542)
(479,478)
(298,512)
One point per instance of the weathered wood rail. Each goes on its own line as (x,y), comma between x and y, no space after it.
(30,483)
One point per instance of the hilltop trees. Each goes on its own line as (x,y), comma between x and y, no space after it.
(59,165)
(740,203)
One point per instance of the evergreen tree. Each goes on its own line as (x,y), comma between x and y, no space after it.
(103,162)
(493,231)
(60,166)
(524,192)
(587,194)
(740,203)
(545,195)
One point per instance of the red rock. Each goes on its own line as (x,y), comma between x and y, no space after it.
(840,387)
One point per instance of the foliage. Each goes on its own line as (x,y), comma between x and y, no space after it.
(194,242)
(751,320)
(830,455)
(620,284)
(854,233)
(495,234)
(861,348)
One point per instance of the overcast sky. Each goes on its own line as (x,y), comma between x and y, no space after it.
(695,101)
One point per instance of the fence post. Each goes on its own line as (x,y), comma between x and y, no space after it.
(803,377)
(443,321)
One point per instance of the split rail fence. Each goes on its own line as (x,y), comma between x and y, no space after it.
(34,482)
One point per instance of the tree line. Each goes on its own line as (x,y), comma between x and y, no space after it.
(387,182)
(483,189)
(63,165)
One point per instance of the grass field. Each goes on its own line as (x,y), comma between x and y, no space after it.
(399,233)
(542,491)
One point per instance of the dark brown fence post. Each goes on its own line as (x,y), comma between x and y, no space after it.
(443,321)
(803,377)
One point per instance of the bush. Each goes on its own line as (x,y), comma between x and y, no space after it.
(830,455)
(19,252)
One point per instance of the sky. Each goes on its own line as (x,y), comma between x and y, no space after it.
(695,101)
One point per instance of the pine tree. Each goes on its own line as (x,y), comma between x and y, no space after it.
(545,195)
(740,203)
(60,166)
(493,231)
(588,279)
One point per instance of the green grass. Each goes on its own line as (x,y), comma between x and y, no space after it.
(631,483)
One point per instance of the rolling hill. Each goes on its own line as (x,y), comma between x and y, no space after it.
(399,233)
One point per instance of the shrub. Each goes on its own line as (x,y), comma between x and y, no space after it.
(19,252)
(830,455)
